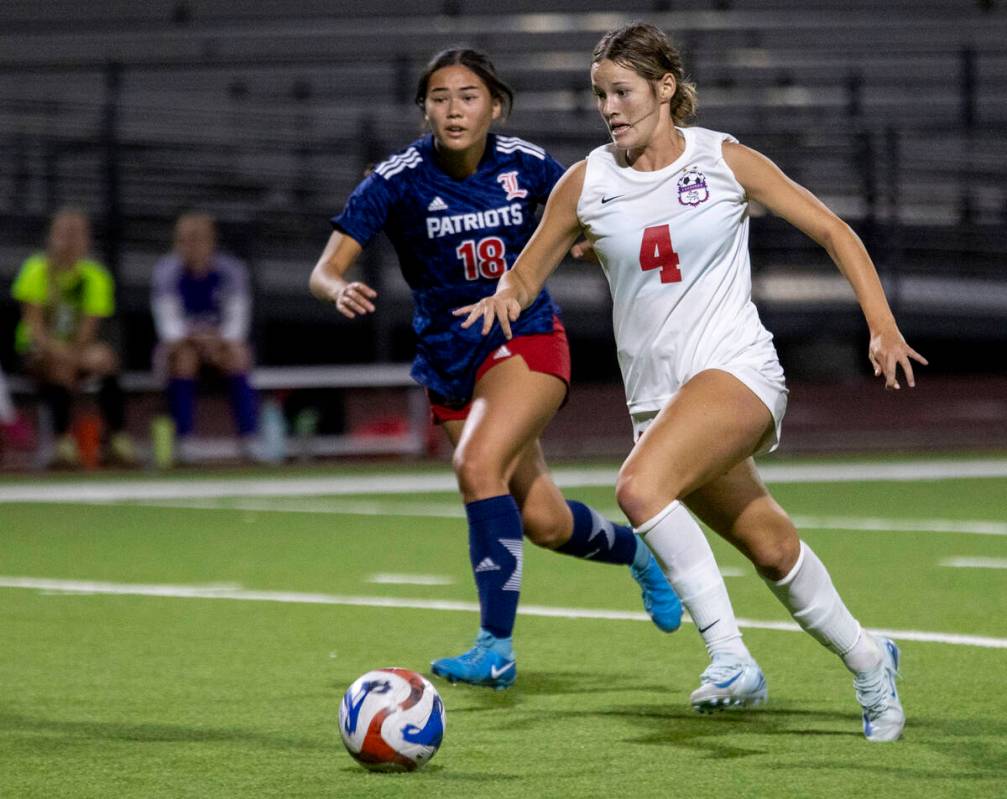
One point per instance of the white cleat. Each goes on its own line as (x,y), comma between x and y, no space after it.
(877,695)
(729,683)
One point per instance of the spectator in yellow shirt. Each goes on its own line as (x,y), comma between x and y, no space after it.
(64,295)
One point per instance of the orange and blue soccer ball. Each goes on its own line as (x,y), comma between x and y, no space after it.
(392,720)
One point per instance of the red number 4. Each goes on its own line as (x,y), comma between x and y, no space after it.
(656,253)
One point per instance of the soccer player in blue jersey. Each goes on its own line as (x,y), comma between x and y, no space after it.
(458,205)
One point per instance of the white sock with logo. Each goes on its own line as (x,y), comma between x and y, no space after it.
(808,593)
(684,555)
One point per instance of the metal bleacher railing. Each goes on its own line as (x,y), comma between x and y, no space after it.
(268,118)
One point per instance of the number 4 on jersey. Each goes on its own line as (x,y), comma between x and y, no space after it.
(656,253)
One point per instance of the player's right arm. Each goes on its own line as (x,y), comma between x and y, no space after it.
(328,282)
(30,291)
(552,239)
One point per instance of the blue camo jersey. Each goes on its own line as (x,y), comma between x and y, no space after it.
(454,239)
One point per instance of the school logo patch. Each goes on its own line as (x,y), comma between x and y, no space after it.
(509,182)
(692,188)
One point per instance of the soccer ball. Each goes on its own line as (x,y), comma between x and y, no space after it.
(392,720)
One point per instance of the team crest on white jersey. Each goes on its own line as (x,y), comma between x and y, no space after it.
(692,188)
(509,182)
(437,204)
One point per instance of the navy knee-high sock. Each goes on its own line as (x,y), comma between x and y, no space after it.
(243,404)
(182,401)
(495,541)
(596,538)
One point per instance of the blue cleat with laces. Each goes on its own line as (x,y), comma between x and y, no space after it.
(490,662)
(659,598)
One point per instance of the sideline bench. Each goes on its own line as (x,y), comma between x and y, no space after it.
(278,378)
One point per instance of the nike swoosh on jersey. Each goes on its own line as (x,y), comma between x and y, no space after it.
(609,199)
(495,672)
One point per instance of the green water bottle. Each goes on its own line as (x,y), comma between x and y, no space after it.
(162,440)
(305,428)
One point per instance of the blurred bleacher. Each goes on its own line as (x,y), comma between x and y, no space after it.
(267,113)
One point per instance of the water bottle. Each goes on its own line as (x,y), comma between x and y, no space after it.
(162,441)
(273,429)
(87,432)
(305,427)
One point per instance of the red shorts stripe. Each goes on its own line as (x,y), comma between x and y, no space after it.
(548,353)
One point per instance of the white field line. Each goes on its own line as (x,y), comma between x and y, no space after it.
(351,507)
(975,563)
(113,491)
(871,524)
(384,578)
(218,592)
(334,506)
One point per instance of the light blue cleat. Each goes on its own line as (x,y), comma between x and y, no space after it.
(729,683)
(659,598)
(490,662)
(884,717)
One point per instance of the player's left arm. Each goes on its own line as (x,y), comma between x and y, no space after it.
(98,303)
(236,307)
(764,182)
(518,288)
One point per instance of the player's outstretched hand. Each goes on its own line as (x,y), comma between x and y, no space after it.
(888,351)
(500,308)
(353,298)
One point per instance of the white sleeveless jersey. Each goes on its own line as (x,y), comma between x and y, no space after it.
(674,247)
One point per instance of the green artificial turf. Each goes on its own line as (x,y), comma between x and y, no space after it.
(135,695)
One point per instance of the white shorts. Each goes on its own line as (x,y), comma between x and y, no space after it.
(765,381)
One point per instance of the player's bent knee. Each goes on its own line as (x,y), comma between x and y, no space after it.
(183,362)
(478,477)
(639,498)
(544,529)
(101,360)
(58,370)
(237,358)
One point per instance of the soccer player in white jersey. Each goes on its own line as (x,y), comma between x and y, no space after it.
(666,210)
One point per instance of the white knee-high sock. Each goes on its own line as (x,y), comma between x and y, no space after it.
(685,556)
(808,593)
